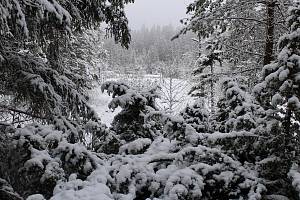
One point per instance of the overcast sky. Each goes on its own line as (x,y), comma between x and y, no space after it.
(156,12)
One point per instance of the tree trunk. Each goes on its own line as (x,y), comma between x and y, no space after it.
(53,51)
(269,44)
(212,92)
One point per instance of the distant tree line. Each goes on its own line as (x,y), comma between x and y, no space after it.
(152,51)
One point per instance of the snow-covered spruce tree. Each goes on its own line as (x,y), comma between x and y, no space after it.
(37,86)
(210,50)
(171,167)
(204,75)
(241,41)
(32,34)
(279,94)
(233,125)
(236,108)
(139,118)
(40,156)
(85,56)
(197,116)
(128,125)
(45,97)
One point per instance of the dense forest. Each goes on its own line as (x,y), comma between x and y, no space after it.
(152,52)
(209,110)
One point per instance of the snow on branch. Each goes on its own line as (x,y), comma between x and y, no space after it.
(294,174)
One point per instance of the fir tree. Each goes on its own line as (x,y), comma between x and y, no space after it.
(279,94)
(37,86)
(128,125)
(205,76)
(236,108)
(235,121)
(197,116)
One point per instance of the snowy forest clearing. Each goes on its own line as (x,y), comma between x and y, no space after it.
(221,121)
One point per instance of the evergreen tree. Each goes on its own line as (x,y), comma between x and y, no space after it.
(39,156)
(235,121)
(204,75)
(279,94)
(128,125)
(236,108)
(248,30)
(38,82)
(38,85)
(197,116)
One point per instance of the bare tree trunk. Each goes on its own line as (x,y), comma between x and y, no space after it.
(269,44)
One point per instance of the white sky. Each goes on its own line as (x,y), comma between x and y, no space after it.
(155,12)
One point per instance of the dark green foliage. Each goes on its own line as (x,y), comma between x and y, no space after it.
(197,116)
(31,67)
(7,192)
(129,123)
(278,93)
(236,110)
(37,84)
(38,157)
(247,149)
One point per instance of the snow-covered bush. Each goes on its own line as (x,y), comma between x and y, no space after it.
(7,192)
(232,126)
(191,173)
(40,156)
(197,116)
(166,170)
(129,123)
(236,108)
(294,175)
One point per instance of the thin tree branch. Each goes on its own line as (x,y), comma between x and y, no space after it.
(247,52)
(22,112)
(241,18)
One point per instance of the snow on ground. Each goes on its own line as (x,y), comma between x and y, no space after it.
(99,101)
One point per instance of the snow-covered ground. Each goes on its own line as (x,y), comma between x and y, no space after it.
(99,101)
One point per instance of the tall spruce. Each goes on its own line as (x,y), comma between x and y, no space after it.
(279,94)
